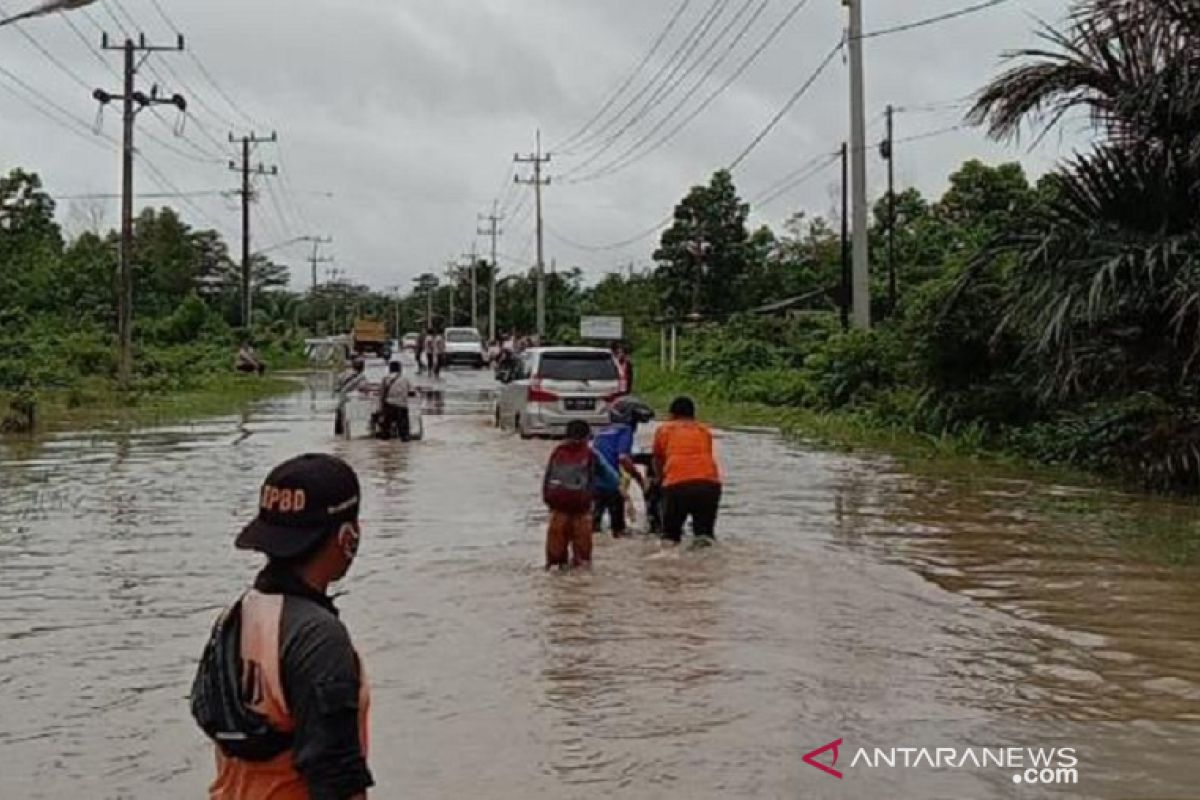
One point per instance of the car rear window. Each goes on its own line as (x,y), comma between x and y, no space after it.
(459,337)
(578,367)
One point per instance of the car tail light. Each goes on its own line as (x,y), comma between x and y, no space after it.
(539,395)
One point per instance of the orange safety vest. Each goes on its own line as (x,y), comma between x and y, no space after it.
(686,450)
(277,779)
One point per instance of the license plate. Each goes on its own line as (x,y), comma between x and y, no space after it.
(580,404)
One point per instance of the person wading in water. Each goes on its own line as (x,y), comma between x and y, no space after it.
(280,689)
(691,479)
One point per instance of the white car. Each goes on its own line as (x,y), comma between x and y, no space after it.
(550,387)
(465,346)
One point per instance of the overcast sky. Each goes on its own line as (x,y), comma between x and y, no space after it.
(398,119)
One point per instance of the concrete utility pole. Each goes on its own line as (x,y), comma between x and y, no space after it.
(888,150)
(847,286)
(537,181)
(473,265)
(858,151)
(247,194)
(493,230)
(133,102)
(316,258)
(452,274)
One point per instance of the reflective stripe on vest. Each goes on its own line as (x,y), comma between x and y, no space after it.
(277,779)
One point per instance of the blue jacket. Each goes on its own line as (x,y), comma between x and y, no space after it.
(610,444)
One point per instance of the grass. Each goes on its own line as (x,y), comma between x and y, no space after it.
(98,403)
(1161,530)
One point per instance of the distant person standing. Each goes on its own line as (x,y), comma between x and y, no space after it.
(430,352)
(422,337)
(439,354)
(624,368)
(687,467)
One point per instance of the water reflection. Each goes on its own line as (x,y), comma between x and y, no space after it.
(849,597)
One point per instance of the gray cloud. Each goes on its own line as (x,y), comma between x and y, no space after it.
(408,113)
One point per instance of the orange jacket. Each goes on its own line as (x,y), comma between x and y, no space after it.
(685,449)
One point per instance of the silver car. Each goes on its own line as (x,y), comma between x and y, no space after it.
(549,387)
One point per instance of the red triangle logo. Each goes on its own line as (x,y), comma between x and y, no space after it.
(811,759)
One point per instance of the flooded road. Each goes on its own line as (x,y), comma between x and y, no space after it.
(849,599)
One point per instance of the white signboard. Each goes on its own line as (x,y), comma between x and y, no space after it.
(609,329)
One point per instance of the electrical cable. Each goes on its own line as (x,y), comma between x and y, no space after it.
(934,20)
(624,86)
(787,107)
(669,65)
(788,186)
(204,71)
(708,101)
(623,161)
(673,81)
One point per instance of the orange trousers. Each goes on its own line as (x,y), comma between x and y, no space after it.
(569,540)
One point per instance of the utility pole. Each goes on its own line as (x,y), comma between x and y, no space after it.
(888,150)
(474,267)
(537,181)
(133,102)
(316,258)
(858,150)
(452,274)
(847,289)
(493,230)
(247,194)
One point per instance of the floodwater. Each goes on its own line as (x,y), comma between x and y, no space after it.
(850,598)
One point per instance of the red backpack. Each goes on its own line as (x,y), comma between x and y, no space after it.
(568,484)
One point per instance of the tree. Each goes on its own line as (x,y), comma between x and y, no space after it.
(704,256)
(1106,284)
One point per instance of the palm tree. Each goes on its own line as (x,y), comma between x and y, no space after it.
(1106,283)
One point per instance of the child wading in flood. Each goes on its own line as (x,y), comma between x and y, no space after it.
(568,490)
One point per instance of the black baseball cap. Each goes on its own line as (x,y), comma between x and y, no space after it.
(302,501)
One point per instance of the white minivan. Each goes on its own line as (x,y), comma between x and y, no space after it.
(465,346)
(549,387)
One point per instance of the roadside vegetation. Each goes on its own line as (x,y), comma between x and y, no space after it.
(1055,320)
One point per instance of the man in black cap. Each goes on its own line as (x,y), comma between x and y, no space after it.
(299,671)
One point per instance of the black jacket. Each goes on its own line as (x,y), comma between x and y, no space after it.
(321,678)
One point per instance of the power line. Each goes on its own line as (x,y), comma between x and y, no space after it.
(654,48)
(670,64)
(708,101)
(204,71)
(934,20)
(140,195)
(615,245)
(82,124)
(673,80)
(92,138)
(620,162)
(799,180)
(787,107)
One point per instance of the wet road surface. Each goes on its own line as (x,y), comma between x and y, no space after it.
(848,598)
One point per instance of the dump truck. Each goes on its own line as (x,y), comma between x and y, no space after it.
(370,337)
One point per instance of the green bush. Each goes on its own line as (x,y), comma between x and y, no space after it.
(853,368)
